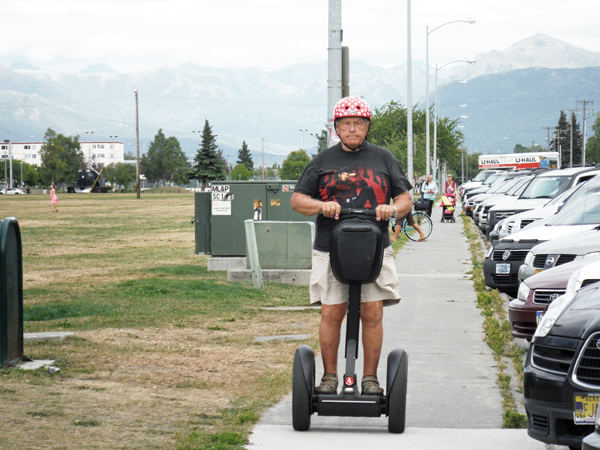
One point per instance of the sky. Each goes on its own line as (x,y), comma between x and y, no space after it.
(138,35)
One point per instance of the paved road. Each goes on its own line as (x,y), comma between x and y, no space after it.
(453,400)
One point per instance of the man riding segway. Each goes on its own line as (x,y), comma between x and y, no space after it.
(359,175)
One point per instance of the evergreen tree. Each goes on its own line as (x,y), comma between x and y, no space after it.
(245,157)
(322,141)
(577,143)
(209,164)
(560,140)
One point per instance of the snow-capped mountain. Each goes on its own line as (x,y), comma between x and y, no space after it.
(538,50)
(280,105)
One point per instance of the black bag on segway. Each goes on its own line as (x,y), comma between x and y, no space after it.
(356,250)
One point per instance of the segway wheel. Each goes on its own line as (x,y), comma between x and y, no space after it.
(300,397)
(397,398)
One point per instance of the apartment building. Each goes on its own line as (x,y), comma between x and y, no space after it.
(97,153)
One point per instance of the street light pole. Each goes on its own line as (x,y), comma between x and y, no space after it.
(263,159)
(409,107)
(9,157)
(435,121)
(427,33)
(137,146)
(303,130)
(21,174)
(89,133)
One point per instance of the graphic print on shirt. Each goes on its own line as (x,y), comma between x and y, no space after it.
(360,188)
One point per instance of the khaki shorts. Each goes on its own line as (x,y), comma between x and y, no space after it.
(324,288)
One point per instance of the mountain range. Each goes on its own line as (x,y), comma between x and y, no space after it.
(512,92)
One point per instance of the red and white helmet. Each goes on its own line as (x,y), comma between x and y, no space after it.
(352,107)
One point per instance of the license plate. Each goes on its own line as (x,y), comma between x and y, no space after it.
(584,408)
(538,316)
(502,268)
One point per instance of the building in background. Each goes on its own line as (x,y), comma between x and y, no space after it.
(95,153)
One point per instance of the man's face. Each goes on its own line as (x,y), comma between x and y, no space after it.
(352,130)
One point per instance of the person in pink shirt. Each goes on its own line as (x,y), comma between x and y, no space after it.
(53,198)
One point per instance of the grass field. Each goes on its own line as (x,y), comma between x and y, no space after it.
(164,354)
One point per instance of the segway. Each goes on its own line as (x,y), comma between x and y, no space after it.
(356,253)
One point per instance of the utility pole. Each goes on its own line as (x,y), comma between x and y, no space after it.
(585,103)
(263,159)
(334,58)
(548,141)
(137,137)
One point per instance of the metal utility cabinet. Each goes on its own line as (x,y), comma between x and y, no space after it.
(233,202)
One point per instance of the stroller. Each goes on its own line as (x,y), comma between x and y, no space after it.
(448,203)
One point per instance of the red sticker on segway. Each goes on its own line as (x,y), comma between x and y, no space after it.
(349,381)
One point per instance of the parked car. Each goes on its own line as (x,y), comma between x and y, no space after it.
(545,186)
(501,266)
(540,216)
(562,375)
(561,251)
(536,293)
(475,182)
(500,187)
(516,223)
(12,191)
(480,212)
(492,180)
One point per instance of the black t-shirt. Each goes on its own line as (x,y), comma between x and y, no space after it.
(363,179)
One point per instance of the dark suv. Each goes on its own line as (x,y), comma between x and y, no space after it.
(562,370)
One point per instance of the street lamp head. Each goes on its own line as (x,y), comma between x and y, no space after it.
(471,21)
(462,106)
(471,61)
(463,117)
(463,82)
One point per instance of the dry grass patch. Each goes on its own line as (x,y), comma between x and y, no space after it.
(164,354)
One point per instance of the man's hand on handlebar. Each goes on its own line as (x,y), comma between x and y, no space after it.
(385,212)
(331,210)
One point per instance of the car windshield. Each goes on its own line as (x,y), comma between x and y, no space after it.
(584,211)
(559,199)
(482,176)
(496,188)
(492,178)
(518,187)
(583,190)
(547,187)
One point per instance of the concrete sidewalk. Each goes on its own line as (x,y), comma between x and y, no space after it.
(453,399)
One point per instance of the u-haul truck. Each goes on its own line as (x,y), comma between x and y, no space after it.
(519,161)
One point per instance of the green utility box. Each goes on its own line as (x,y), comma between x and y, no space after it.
(233,202)
(284,245)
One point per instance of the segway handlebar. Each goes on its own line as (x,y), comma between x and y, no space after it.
(357,212)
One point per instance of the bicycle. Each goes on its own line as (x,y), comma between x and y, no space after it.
(421,219)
